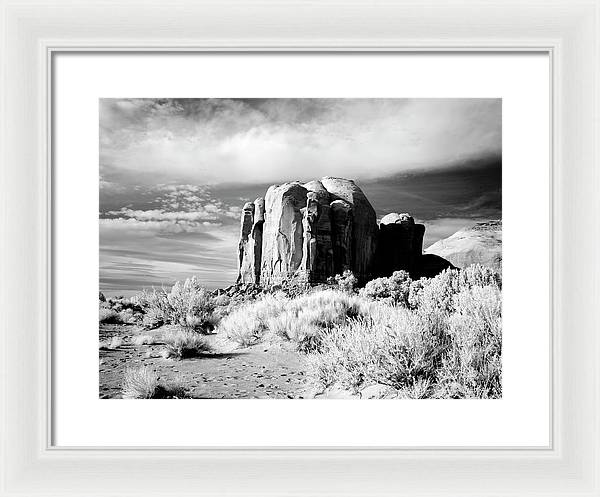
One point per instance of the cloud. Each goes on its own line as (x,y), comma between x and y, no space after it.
(213,141)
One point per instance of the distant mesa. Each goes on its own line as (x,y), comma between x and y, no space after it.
(478,244)
(312,231)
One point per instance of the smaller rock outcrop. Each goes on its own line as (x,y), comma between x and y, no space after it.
(478,244)
(400,244)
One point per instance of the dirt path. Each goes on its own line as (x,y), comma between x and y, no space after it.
(255,372)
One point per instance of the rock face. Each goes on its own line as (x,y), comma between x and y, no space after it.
(342,223)
(479,244)
(283,234)
(318,250)
(400,244)
(308,231)
(364,224)
(250,245)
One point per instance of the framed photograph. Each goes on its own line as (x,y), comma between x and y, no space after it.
(298,249)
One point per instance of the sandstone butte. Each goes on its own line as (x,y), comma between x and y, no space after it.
(315,230)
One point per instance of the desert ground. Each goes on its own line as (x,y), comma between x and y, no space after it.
(394,337)
(254,372)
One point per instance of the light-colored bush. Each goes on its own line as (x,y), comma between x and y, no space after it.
(183,344)
(142,383)
(472,365)
(114,343)
(143,340)
(393,290)
(346,281)
(107,315)
(247,324)
(139,383)
(126,316)
(301,320)
(187,304)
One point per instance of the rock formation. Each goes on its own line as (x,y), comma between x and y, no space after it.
(283,236)
(400,243)
(310,232)
(251,239)
(364,224)
(479,244)
(316,230)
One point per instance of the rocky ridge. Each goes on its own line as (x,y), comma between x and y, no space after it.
(477,244)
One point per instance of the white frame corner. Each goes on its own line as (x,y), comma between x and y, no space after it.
(568,30)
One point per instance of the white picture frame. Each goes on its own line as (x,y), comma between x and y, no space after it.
(569,31)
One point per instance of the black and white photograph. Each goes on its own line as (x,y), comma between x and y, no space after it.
(300,248)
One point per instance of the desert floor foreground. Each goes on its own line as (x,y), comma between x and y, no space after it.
(260,371)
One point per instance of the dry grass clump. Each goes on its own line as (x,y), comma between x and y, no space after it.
(345,281)
(300,320)
(143,340)
(114,343)
(142,383)
(184,344)
(118,310)
(394,290)
(187,304)
(108,316)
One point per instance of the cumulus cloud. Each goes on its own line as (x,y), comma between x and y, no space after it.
(212,141)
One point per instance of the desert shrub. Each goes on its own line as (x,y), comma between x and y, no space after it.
(393,290)
(143,340)
(114,343)
(301,320)
(221,300)
(472,365)
(346,281)
(139,383)
(191,304)
(478,275)
(108,316)
(142,383)
(126,316)
(446,343)
(183,344)
(187,304)
(153,318)
(247,324)
(394,348)
(439,292)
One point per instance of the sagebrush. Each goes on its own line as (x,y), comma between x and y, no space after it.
(143,383)
(434,337)
(187,304)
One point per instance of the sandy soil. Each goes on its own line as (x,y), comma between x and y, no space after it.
(256,372)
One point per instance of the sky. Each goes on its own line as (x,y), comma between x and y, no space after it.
(174,173)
